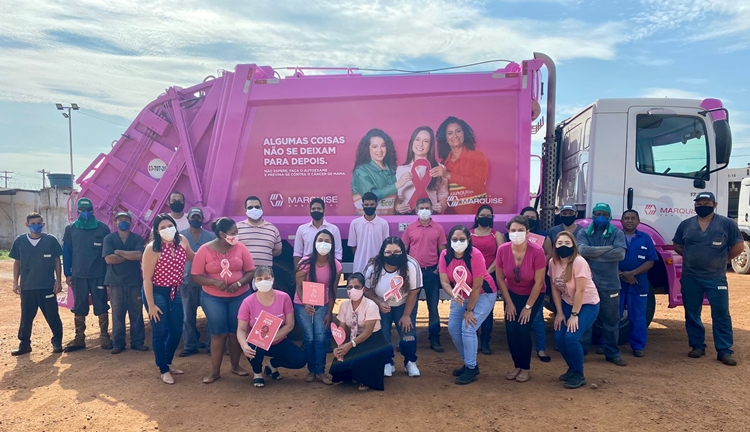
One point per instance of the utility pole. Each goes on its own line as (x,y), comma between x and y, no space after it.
(6,177)
(44,173)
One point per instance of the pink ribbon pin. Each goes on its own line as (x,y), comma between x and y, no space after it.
(225,273)
(395,292)
(460,275)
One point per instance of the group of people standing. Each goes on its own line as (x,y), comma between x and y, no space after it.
(590,274)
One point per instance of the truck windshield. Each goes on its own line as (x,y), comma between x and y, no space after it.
(672,145)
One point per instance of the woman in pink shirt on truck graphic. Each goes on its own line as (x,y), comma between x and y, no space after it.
(421,148)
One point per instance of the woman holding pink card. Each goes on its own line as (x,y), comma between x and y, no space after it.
(361,358)
(314,316)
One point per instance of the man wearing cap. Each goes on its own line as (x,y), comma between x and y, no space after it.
(639,259)
(568,216)
(122,252)
(85,269)
(190,291)
(707,242)
(604,247)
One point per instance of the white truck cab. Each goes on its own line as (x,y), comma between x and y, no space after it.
(741,264)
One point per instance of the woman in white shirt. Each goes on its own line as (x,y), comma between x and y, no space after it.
(421,147)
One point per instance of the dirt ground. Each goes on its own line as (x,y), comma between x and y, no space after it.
(95,391)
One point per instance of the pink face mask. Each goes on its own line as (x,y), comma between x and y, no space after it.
(232,240)
(355,294)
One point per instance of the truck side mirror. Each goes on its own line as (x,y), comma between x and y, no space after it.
(723,141)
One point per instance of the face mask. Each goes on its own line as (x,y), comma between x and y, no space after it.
(167,234)
(254,214)
(316,215)
(323,248)
(355,294)
(393,260)
(264,285)
(196,223)
(123,226)
(517,237)
(704,211)
(564,251)
(533,223)
(36,228)
(369,211)
(177,206)
(484,221)
(459,246)
(424,214)
(568,220)
(232,240)
(85,215)
(601,221)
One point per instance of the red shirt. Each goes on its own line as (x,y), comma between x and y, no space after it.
(468,178)
(487,245)
(422,242)
(169,266)
(533,260)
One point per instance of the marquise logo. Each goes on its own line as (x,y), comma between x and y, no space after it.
(277,200)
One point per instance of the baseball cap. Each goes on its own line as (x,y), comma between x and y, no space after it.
(705,195)
(85,203)
(126,214)
(568,207)
(195,211)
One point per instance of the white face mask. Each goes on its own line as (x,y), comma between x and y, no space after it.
(517,237)
(323,248)
(459,246)
(264,285)
(254,214)
(424,214)
(167,234)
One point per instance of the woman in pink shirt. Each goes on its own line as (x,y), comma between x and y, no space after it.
(463,275)
(321,267)
(363,358)
(283,352)
(224,269)
(520,268)
(577,301)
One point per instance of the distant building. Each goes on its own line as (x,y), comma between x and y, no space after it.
(15,204)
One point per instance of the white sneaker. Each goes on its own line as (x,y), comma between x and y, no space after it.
(389,369)
(411,369)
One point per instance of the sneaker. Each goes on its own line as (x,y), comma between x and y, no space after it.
(638,353)
(411,369)
(188,353)
(567,375)
(310,377)
(727,359)
(436,346)
(619,361)
(485,348)
(57,349)
(117,350)
(27,349)
(389,369)
(600,350)
(141,348)
(697,353)
(459,371)
(576,380)
(468,376)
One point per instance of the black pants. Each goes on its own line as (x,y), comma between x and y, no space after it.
(82,287)
(519,336)
(284,354)
(489,322)
(31,301)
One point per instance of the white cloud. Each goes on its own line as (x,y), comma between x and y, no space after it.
(673,93)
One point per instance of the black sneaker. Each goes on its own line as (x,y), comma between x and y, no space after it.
(567,375)
(21,351)
(459,371)
(57,349)
(638,353)
(600,350)
(485,348)
(469,376)
(188,353)
(619,361)
(436,346)
(697,353)
(727,359)
(117,350)
(577,380)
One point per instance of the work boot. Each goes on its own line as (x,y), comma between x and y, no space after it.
(435,344)
(104,340)
(79,342)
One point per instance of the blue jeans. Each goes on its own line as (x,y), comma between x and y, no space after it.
(569,343)
(636,304)
(538,326)
(313,336)
(408,341)
(221,312)
(191,337)
(166,333)
(463,335)
(127,300)
(718,297)
(431,288)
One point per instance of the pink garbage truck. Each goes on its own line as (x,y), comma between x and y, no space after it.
(287,140)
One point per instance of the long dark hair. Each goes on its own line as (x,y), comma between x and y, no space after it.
(492,212)
(363,150)
(378,263)
(157,237)
(430,152)
(312,261)
(444,149)
(450,253)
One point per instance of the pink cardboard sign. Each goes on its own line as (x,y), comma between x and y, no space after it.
(264,331)
(313,293)
(338,334)
(535,238)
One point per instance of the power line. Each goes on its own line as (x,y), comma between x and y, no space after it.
(104,120)
(6,177)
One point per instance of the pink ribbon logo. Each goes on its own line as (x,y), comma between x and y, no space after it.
(420,183)
(395,292)
(225,273)
(461,289)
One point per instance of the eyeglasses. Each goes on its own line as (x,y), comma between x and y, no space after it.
(517,273)
(392,254)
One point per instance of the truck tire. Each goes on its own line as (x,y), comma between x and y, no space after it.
(741,264)
(625,322)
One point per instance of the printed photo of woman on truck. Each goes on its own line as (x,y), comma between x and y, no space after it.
(466,168)
(423,173)
(375,170)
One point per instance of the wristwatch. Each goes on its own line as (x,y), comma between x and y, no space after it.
(575,314)
(470,310)
(527,307)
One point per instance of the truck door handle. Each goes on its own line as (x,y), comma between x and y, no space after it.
(630,198)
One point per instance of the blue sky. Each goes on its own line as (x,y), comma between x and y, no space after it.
(112,58)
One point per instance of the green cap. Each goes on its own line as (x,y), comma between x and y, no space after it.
(603,207)
(85,203)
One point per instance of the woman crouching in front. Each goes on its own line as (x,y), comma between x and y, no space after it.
(283,352)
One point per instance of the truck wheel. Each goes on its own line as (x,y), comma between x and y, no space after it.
(741,264)
(625,321)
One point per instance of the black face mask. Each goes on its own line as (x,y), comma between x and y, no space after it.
(316,215)
(394,260)
(177,206)
(369,211)
(484,221)
(533,223)
(564,251)
(568,220)
(704,211)
(195,223)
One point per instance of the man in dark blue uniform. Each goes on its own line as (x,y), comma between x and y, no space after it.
(37,264)
(85,269)
(707,242)
(639,259)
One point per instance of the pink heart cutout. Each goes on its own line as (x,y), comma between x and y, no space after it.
(338,334)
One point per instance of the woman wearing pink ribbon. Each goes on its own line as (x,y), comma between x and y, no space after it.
(224,269)
(463,275)
(423,175)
